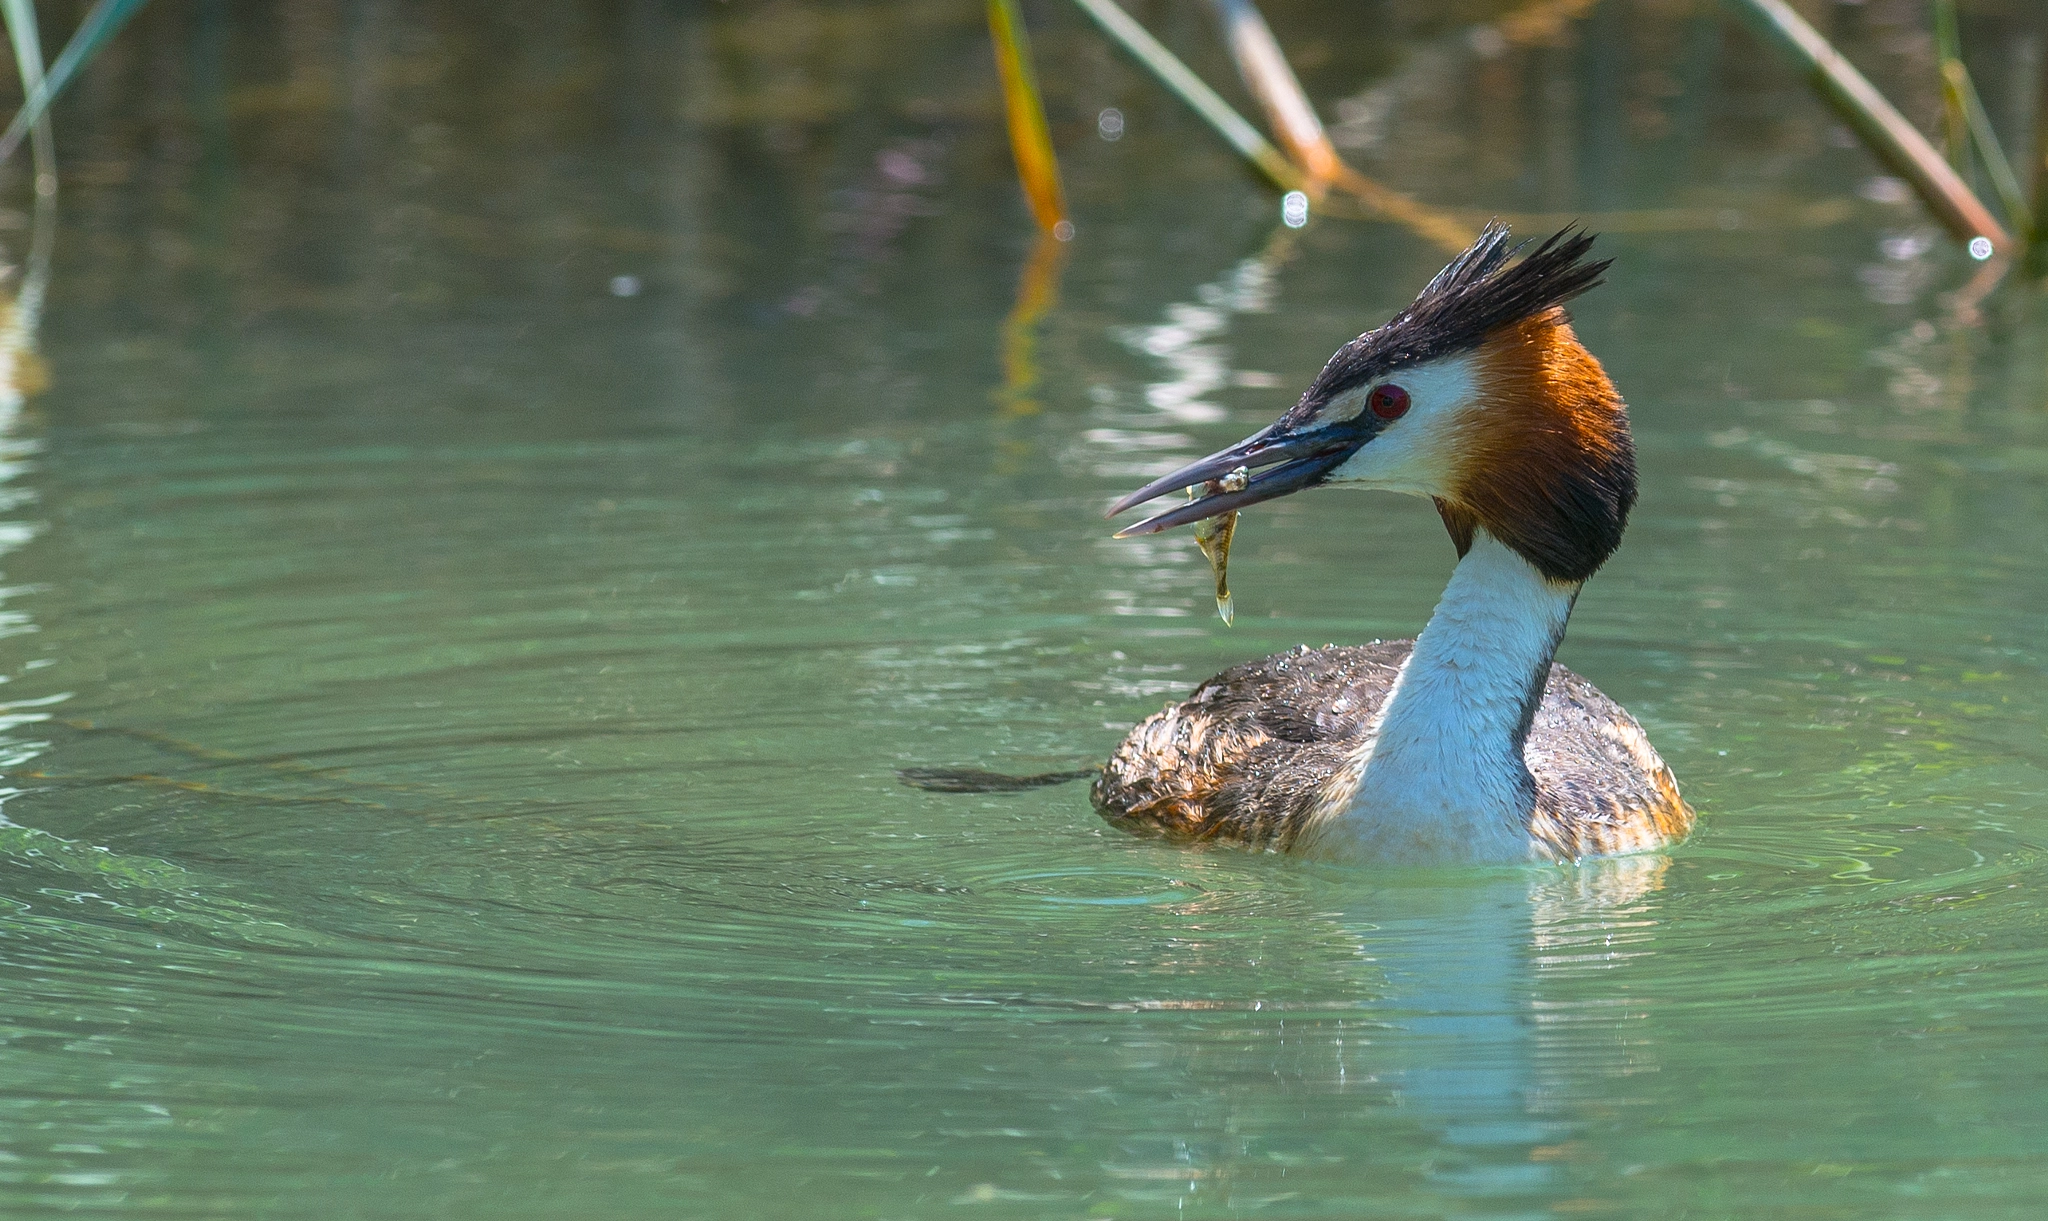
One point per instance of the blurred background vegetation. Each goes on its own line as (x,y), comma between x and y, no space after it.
(1609,93)
(252,162)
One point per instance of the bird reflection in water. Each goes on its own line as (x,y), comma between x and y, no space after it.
(1488,1028)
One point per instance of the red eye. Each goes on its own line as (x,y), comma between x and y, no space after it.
(1388,402)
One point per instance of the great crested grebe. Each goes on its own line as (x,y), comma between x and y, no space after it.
(1467,743)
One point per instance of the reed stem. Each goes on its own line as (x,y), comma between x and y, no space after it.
(102,22)
(2003,180)
(1265,71)
(1189,88)
(1887,133)
(1955,123)
(2037,246)
(28,63)
(1968,124)
(1030,139)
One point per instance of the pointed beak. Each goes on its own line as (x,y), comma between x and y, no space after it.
(1273,462)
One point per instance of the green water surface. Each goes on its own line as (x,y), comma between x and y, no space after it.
(453,694)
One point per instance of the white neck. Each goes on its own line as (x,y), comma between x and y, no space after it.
(1442,779)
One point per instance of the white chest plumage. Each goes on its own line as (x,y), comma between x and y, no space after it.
(1442,778)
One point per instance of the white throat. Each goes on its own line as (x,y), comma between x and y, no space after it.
(1443,779)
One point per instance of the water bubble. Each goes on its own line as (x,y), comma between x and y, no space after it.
(1110,123)
(625,286)
(1064,231)
(1294,209)
(1980,248)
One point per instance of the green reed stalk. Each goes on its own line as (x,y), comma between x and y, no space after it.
(2037,247)
(1883,129)
(28,62)
(2007,183)
(1968,124)
(101,23)
(1181,79)
(1955,124)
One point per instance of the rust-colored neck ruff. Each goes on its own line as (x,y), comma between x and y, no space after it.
(1546,465)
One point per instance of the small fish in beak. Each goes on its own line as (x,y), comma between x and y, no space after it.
(1267,465)
(1223,483)
(1213,535)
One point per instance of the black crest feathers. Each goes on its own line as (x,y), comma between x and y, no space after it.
(1476,295)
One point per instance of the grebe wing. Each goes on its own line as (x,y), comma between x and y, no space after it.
(1246,755)
(1600,786)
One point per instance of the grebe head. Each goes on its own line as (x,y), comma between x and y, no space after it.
(1477,395)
